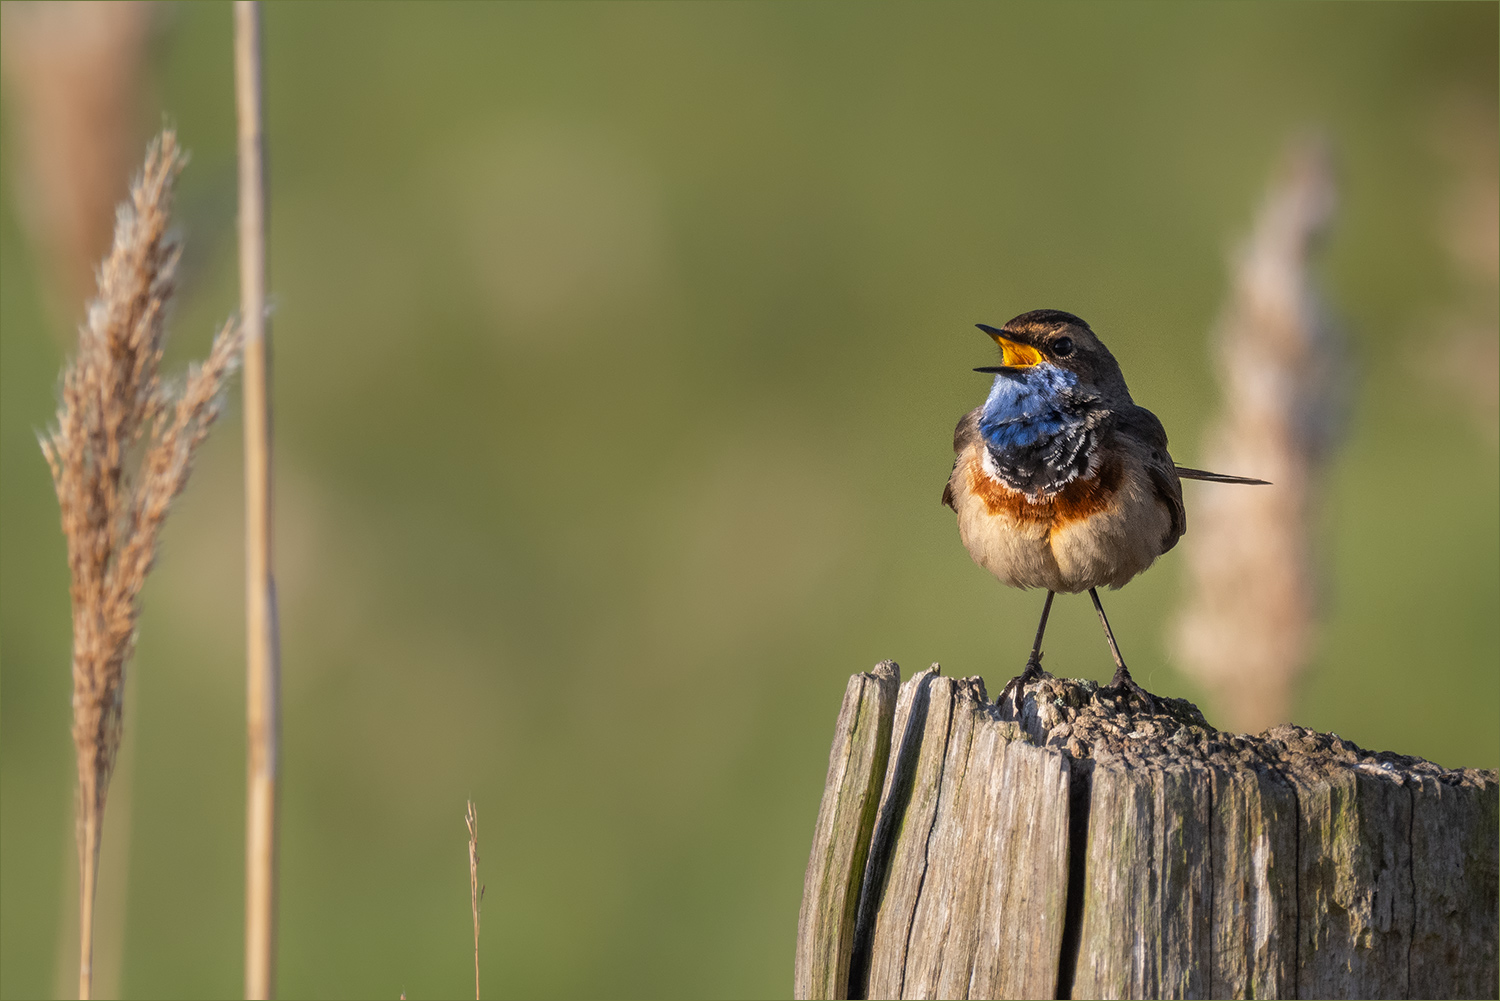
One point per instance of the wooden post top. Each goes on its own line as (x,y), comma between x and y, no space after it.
(1085,848)
(1078,719)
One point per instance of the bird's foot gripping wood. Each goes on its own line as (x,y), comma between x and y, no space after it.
(1122,685)
(1029,673)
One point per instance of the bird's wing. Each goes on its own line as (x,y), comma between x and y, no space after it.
(1203,474)
(1142,425)
(967,428)
(1145,435)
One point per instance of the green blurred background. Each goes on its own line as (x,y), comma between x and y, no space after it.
(618,350)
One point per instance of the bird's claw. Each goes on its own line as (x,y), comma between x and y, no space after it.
(1123,685)
(1030,672)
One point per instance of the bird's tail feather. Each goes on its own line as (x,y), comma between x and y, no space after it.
(1203,474)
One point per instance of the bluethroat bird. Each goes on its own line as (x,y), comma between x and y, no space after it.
(1062,482)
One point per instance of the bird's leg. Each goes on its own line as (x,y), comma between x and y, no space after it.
(1122,678)
(1033,663)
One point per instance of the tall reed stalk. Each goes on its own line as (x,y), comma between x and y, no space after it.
(476,892)
(120,452)
(263,669)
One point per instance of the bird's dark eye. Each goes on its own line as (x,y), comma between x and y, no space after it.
(1062,347)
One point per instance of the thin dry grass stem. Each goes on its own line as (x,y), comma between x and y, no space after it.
(1248,627)
(476,892)
(120,452)
(263,667)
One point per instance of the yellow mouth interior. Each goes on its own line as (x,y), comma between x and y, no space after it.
(1018,355)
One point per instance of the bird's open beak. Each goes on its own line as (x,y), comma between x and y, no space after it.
(1016,354)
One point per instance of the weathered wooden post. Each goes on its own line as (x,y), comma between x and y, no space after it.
(1086,851)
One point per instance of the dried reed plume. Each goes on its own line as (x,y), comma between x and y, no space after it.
(1249,623)
(120,452)
(476,892)
(75,78)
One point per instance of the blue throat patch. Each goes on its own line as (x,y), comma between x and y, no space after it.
(1038,429)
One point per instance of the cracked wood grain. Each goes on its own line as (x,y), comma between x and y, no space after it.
(1147,903)
(841,839)
(1455,841)
(1253,836)
(973,831)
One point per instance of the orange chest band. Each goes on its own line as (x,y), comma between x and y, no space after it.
(1080,499)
